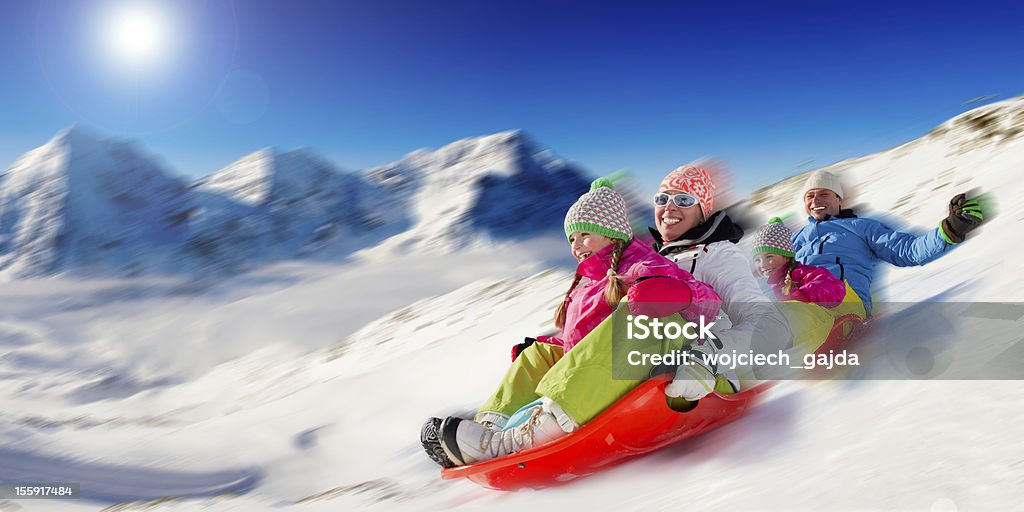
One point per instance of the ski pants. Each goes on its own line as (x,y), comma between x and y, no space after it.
(811,323)
(581,381)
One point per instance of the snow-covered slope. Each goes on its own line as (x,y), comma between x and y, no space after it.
(336,429)
(82,203)
(302,386)
(910,187)
(174,389)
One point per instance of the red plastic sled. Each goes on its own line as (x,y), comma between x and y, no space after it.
(639,423)
(835,338)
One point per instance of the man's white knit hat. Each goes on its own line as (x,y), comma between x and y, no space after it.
(825,180)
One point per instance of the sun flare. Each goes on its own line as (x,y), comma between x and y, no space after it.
(137,34)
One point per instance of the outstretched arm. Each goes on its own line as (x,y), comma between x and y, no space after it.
(904,250)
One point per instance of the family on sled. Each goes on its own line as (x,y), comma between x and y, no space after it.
(694,269)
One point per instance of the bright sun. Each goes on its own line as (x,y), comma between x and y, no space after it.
(137,34)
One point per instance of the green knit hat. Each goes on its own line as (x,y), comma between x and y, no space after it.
(601,211)
(775,238)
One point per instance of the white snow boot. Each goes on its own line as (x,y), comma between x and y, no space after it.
(430,435)
(430,438)
(467,442)
(491,420)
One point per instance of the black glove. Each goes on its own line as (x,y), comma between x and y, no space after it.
(519,348)
(965,215)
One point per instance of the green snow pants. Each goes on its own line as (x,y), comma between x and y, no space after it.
(811,323)
(852,304)
(581,381)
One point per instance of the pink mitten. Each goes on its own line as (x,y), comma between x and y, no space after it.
(658,297)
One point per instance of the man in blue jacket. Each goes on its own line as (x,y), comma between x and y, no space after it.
(851,247)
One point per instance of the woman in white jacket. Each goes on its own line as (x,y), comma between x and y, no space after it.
(702,241)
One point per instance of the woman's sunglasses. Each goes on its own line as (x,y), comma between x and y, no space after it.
(680,200)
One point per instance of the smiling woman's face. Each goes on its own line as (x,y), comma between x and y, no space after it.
(672,221)
(584,244)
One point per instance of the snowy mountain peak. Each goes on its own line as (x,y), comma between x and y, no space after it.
(82,142)
(274,204)
(82,154)
(268,153)
(84,201)
(75,134)
(517,139)
(267,175)
(247,180)
(486,154)
(500,186)
(505,151)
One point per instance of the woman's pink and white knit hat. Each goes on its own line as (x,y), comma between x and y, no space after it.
(695,181)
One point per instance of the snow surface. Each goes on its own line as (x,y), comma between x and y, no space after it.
(302,385)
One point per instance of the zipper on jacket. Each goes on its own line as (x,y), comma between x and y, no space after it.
(693,266)
(821,247)
(842,271)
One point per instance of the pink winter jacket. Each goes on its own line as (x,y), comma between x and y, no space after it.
(587,306)
(808,284)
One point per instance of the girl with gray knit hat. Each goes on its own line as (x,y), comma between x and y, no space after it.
(556,384)
(793,281)
(790,280)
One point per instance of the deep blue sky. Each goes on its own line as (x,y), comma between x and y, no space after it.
(766,86)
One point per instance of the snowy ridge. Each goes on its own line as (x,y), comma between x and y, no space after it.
(273,205)
(909,187)
(979,143)
(248,180)
(472,187)
(92,206)
(78,202)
